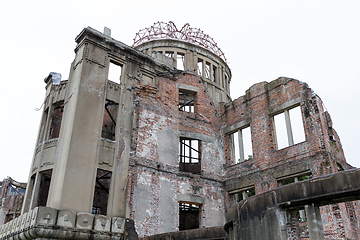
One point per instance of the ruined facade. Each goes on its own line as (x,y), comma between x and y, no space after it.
(161,147)
(12,196)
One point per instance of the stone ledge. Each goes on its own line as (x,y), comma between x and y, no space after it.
(46,222)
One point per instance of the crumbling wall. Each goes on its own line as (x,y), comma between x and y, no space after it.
(321,153)
(157,184)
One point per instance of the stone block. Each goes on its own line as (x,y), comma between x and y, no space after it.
(84,221)
(118,225)
(1,230)
(21,220)
(102,223)
(66,219)
(8,228)
(4,230)
(43,216)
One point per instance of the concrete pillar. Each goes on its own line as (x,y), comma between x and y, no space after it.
(73,181)
(118,191)
(314,222)
(288,128)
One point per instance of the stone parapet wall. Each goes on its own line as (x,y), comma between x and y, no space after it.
(45,222)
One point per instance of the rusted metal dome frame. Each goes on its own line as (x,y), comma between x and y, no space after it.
(161,30)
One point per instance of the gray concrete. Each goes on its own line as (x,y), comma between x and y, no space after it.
(264,216)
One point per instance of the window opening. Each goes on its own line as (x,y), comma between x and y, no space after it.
(180,61)
(190,155)
(294,179)
(245,194)
(30,188)
(101,193)
(55,121)
(189,216)
(109,120)
(214,73)
(289,128)
(45,180)
(169,54)
(114,73)
(8,217)
(241,145)
(186,101)
(42,127)
(200,67)
(207,70)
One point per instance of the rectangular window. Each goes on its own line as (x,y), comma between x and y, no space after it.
(169,54)
(101,193)
(189,216)
(289,128)
(43,192)
(241,145)
(109,120)
(114,73)
(291,180)
(43,126)
(245,194)
(207,70)
(200,67)
(214,74)
(55,121)
(180,61)
(190,155)
(186,101)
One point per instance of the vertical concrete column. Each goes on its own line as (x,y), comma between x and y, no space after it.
(73,181)
(118,191)
(204,68)
(314,222)
(241,145)
(189,61)
(288,128)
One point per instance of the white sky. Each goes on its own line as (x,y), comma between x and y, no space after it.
(313,41)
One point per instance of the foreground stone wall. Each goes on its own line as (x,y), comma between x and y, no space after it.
(45,222)
(268,215)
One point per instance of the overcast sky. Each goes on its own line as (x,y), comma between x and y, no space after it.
(313,41)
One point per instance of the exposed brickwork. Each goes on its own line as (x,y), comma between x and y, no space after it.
(320,154)
(10,205)
(157,110)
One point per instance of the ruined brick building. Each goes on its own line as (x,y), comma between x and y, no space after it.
(161,147)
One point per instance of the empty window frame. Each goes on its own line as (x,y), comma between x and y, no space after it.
(55,120)
(208,70)
(43,190)
(109,120)
(200,67)
(169,54)
(187,101)
(295,179)
(245,194)
(180,61)
(241,145)
(214,74)
(101,192)
(114,73)
(43,126)
(289,128)
(189,216)
(190,155)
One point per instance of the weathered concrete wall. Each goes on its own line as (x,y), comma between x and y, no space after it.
(264,216)
(217,233)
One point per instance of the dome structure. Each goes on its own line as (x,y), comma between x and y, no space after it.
(188,49)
